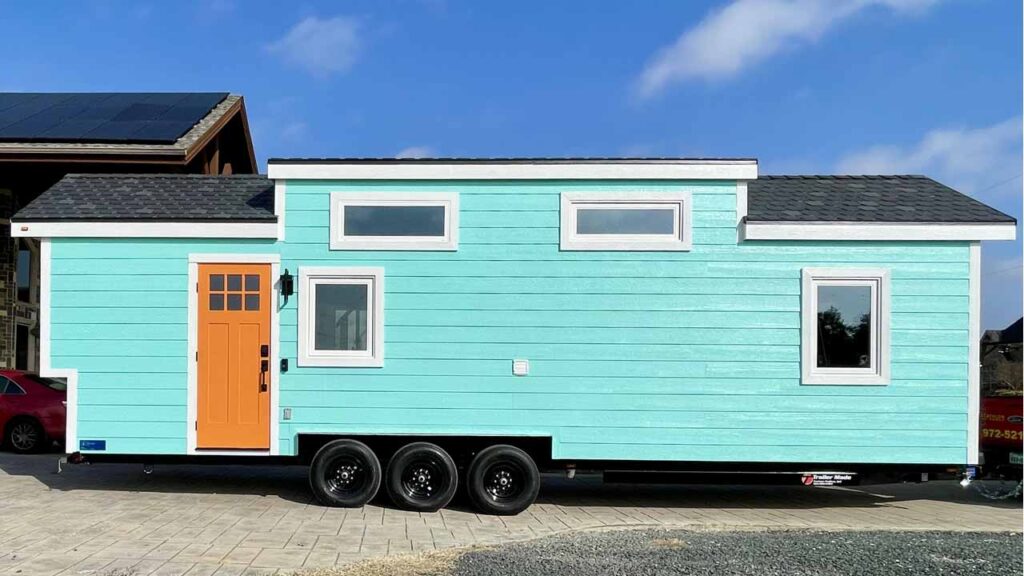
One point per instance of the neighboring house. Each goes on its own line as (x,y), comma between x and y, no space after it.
(1001,361)
(592,312)
(45,136)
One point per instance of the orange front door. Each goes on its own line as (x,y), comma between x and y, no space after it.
(234,385)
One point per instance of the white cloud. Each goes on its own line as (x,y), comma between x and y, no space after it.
(416,152)
(320,46)
(746,32)
(984,161)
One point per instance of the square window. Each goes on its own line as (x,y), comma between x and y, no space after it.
(217,282)
(216,301)
(634,221)
(845,326)
(252,282)
(252,301)
(234,301)
(341,316)
(394,221)
(234,282)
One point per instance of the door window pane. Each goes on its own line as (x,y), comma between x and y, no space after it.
(340,316)
(394,221)
(252,282)
(234,282)
(217,282)
(252,301)
(216,301)
(625,221)
(844,326)
(234,301)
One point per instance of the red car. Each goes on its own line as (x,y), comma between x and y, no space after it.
(33,410)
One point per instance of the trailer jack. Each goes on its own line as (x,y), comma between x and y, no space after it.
(73,458)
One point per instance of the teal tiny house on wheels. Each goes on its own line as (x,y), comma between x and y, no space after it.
(414,324)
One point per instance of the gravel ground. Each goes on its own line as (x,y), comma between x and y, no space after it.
(789,553)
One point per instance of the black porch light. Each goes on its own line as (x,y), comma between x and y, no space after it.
(287,283)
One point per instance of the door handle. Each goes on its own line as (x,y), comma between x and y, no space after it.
(264,367)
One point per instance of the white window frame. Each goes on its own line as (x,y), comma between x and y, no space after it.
(309,278)
(681,238)
(878,374)
(448,200)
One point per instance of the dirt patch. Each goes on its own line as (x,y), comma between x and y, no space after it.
(434,563)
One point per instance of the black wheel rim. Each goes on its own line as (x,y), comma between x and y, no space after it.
(504,481)
(346,475)
(424,478)
(24,436)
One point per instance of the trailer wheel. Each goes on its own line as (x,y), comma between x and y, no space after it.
(345,473)
(503,480)
(421,476)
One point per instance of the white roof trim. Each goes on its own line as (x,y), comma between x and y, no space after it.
(115,229)
(877,231)
(696,170)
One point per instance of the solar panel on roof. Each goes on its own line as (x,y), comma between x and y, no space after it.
(142,118)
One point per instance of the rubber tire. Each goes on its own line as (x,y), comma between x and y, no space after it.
(322,462)
(490,456)
(406,455)
(40,435)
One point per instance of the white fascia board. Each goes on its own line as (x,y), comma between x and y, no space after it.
(725,170)
(30,229)
(876,231)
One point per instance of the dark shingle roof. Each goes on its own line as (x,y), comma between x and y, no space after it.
(138,118)
(154,197)
(862,199)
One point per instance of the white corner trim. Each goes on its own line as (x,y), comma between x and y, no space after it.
(680,240)
(193,344)
(45,367)
(31,229)
(741,201)
(695,170)
(974,355)
(373,277)
(279,208)
(741,209)
(876,231)
(877,375)
(448,200)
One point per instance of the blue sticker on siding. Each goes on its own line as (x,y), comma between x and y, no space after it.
(92,444)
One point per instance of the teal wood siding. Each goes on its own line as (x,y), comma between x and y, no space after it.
(120,317)
(633,355)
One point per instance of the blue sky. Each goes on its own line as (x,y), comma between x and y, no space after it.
(806,86)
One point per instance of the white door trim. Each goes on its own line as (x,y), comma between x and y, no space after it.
(194,260)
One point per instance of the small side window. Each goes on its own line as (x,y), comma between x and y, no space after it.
(391,221)
(845,326)
(341,320)
(9,388)
(652,221)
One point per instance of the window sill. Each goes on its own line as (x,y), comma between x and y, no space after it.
(335,362)
(623,246)
(818,379)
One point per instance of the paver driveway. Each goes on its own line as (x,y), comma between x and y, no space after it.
(202,520)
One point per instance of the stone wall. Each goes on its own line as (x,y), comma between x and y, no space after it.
(8,287)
